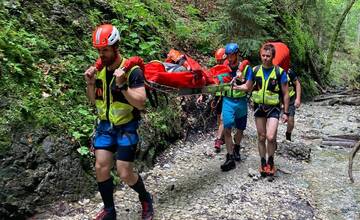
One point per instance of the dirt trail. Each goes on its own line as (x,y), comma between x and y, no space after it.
(187,182)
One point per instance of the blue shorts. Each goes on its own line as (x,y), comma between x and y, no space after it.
(122,139)
(234,113)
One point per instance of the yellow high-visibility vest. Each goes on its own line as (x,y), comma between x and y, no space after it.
(116,112)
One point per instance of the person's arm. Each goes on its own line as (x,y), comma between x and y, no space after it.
(136,97)
(250,78)
(135,92)
(246,87)
(90,93)
(286,97)
(298,93)
(200,99)
(90,83)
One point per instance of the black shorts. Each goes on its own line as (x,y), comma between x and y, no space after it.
(292,106)
(265,111)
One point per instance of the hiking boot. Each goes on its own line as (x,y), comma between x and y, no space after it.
(106,214)
(147,208)
(229,163)
(218,143)
(270,170)
(263,171)
(237,152)
(288,136)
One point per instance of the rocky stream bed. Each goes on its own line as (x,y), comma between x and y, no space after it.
(187,183)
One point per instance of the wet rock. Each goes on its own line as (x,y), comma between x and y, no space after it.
(40,169)
(298,151)
(317,124)
(252,172)
(202,191)
(352,118)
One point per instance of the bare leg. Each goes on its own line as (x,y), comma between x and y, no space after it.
(238,136)
(261,130)
(220,132)
(103,164)
(290,124)
(271,131)
(228,141)
(126,172)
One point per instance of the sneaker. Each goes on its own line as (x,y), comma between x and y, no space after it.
(263,171)
(218,143)
(105,214)
(147,208)
(270,170)
(229,163)
(237,152)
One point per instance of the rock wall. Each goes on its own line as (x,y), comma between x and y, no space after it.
(39,169)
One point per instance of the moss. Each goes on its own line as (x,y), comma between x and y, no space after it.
(45,48)
(309,89)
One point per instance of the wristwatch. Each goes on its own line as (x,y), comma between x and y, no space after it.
(286,113)
(122,87)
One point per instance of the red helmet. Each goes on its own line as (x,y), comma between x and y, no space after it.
(220,54)
(105,35)
(174,55)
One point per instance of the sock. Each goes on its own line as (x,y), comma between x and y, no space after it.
(263,162)
(237,148)
(139,187)
(271,161)
(288,136)
(106,190)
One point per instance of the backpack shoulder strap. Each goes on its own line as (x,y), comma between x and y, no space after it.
(256,69)
(278,72)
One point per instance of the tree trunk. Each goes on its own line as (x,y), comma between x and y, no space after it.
(335,36)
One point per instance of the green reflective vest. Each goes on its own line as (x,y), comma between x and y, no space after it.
(237,93)
(116,112)
(267,91)
(291,87)
(221,79)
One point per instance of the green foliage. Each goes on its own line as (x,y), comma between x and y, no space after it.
(182,30)
(141,25)
(44,53)
(165,120)
(200,35)
(246,23)
(305,26)
(95,16)
(345,71)
(19,50)
(192,11)
(300,38)
(83,151)
(308,87)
